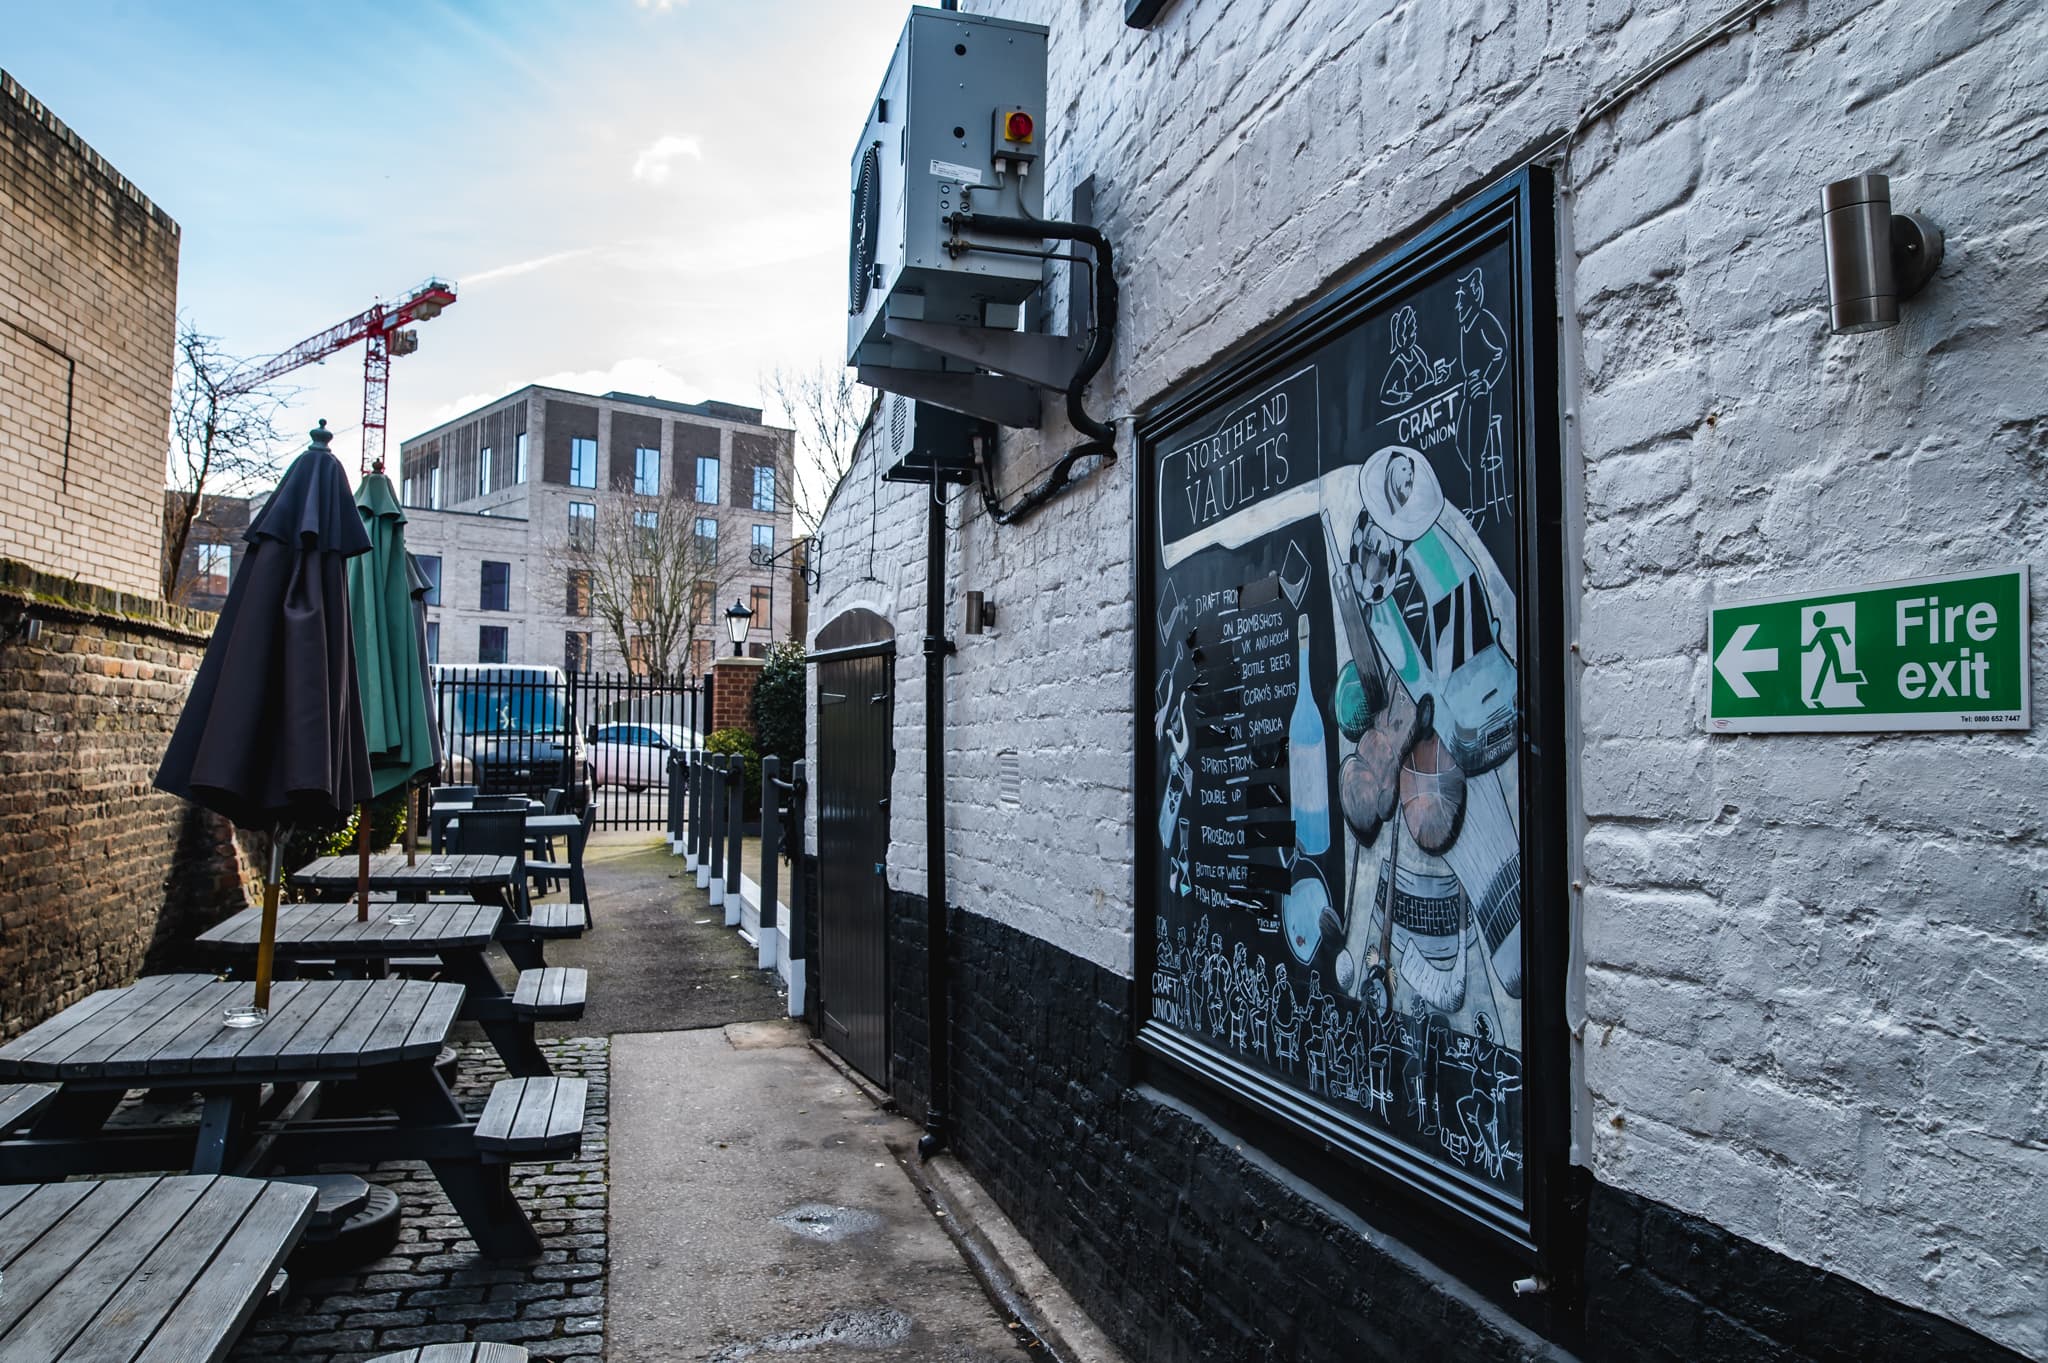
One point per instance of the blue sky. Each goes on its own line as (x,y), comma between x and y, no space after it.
(642,194)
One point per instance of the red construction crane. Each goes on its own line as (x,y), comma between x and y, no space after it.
(379,330)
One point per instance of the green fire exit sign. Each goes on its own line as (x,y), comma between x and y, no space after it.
(1931,653)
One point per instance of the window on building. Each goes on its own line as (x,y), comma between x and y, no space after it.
(430,569)
(576,650)
(638,655)
(497,589)
(583,525)
(433,641)
(491,643)
(405,491)
(582,462)
(764,488)
(700,656)
(483,471)
(707,538)
(434,488)
(643,597)
(647,472)
(579,592)
(707,479)
(216,566)
(764,543)
(761,601)
(648,523)
(757,650)
(702,600)
(519,458)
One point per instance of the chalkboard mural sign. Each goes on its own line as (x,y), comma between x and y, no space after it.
(1339,537)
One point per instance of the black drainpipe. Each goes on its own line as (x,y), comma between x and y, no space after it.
(936,647)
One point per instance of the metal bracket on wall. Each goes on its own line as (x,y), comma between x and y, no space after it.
(1037,359)
(1007,402)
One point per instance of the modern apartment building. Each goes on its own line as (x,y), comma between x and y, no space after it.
(498,494)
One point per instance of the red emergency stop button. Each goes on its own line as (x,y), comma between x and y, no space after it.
(1017,127)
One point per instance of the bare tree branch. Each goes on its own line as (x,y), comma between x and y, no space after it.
(827,409)
(652,582)
(224,441)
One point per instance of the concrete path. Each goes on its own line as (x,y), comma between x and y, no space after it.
(760,1213)
(661,959)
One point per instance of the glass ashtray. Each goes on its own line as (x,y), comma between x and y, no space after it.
(243,1015)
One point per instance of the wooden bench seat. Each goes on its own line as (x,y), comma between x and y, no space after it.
(459,1353)
(19,1103)
(549,921)
(529,1119)
(551,992)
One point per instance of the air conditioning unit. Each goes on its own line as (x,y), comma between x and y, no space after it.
(916,440)
(959,126)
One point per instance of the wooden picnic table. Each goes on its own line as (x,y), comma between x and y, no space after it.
(484,879)
(257,1086)
(140,1270)
(458,932)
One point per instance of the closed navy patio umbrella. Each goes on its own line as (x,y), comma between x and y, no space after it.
(272,734)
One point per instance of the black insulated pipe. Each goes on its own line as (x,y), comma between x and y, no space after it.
(1101,441)
(936,943)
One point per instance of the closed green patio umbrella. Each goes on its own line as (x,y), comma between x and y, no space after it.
(397,719)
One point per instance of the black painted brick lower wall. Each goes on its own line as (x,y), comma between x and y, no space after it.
(1186,1247)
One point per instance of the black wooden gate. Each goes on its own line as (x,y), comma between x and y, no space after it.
(855,705)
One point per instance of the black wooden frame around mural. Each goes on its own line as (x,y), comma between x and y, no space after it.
(1519,210)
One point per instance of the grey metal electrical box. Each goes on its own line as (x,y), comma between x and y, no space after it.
(919,441)
(937,142)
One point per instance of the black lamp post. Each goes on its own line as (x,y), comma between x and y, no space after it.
(737,620)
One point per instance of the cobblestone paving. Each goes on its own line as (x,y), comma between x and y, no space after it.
(433,1288)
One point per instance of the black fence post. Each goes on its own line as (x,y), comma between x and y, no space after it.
(735,823)
(771,856)
(677,761)
(699,817)
(714,790)
(799,945)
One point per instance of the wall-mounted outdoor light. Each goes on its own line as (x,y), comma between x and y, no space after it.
(980,614)
(737,620)
(1875,256)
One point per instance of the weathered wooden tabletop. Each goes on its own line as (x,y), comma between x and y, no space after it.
(140,1270)
(171,1025)
(388,871)
(331,930)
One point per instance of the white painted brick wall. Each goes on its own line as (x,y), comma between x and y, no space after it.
(1815,966)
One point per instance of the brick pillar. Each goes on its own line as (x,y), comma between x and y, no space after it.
(732,693)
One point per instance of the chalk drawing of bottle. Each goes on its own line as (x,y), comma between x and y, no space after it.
(1308,747)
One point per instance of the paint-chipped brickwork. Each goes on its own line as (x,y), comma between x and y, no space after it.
(1186,1244)
(433,1288)
(1810,968)
(88,324)
(99,872)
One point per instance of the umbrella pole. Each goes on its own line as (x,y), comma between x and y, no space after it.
(363,862)
(266,942)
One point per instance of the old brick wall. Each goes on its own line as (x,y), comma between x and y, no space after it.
(99,872)
(88,325)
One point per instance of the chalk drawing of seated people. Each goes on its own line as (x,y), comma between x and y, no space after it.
(1410,370)
(1483,358)
(1285,1011)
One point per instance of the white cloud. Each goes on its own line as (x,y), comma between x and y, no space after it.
(656,160)
(523,266)
(661,6)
